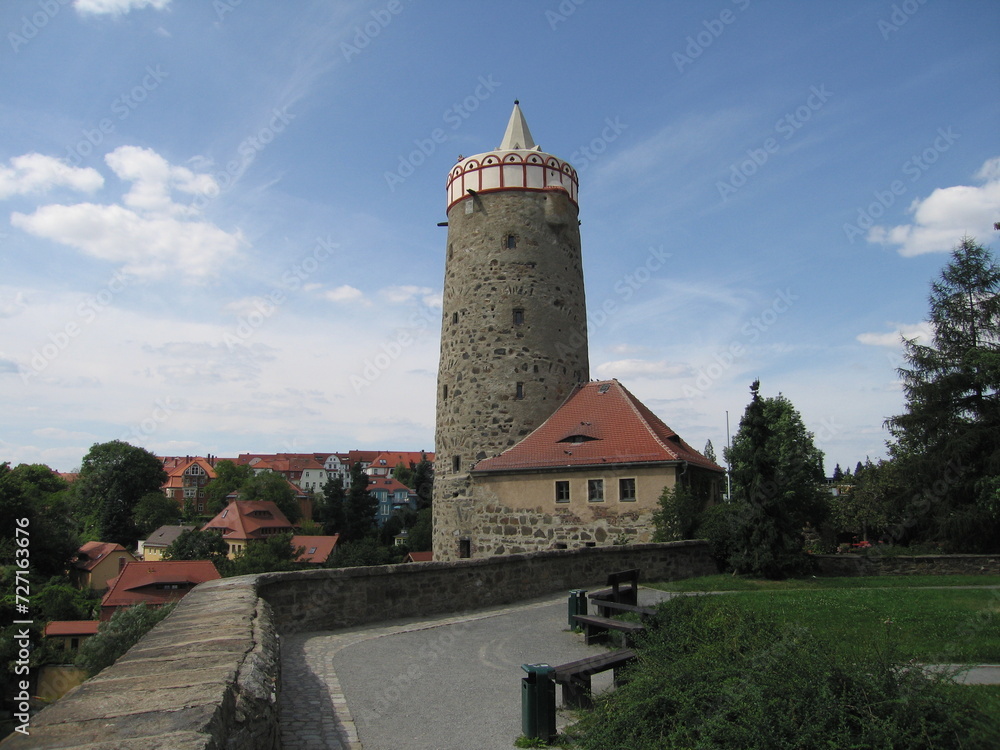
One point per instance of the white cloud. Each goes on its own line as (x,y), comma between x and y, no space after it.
(922,332)
(407,292)
(35,173)
(153,178)
(344,293)
(116,7)
(154,237)
(946,215)
(150,248)
(624,369)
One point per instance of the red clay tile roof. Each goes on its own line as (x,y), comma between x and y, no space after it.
(317,548)
(140,582)
(91,553)
(72,627)
(245,519)
(420,556)
(394,458)
(600,423)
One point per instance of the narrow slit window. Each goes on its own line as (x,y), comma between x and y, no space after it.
(519,391)
(519,316)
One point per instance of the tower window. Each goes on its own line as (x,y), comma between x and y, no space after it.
(456,464)
(562,491)
(519,391)
(444,392)
(465,548)
(595,490)
(454,317)
(519,317)
(626,490)
(510,242)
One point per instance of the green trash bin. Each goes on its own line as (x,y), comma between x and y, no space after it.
(577,605)
(538,702)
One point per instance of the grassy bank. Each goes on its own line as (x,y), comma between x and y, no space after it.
(931,625)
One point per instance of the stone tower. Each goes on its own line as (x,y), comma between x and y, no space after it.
(514,325)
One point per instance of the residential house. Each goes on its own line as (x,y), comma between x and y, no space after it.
(315,549)
(392,495)
(591,473)
(70,634)
(155,583)
(244,520)
(187,477)
(412,557)
(96,563)
(385,463)
(152,549)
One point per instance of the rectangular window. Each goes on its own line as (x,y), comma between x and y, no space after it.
(562,492)
(595,490)
(511,242)
(519,317)
(626,490)
(465,548)
(519,391)
(456,464)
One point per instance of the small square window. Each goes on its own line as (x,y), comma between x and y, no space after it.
(595,490)
(626,490)
(562,492)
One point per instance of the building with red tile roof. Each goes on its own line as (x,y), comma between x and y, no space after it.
(385,463)
(155,583)
(244,520)
(96,563)
(412,557)
(187,477)
(315,549)
(589,474)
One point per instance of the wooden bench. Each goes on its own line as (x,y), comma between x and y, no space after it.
(606,607)
(575,676)
(595,629)
(624,588)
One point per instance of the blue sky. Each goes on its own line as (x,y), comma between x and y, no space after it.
(218,220)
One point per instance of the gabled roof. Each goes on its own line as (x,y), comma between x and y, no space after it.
(72,627)
(245,519)
(92,553)
(392,459)
(317,548)
(600,423)
(388,484)
(419,557)
(140,582)
(165,536)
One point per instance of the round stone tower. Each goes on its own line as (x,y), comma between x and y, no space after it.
(514,325)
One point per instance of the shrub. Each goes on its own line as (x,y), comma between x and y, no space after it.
(712,675)
(118,635)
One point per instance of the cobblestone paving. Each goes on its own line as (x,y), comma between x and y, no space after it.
(314,714)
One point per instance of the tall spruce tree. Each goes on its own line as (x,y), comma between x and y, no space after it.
(948,439)
(776,475)
(360,508)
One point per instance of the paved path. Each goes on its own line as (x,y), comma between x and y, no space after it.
(436,683)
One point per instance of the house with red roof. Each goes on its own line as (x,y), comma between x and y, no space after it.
(187,477)
(385,463)
(392,495)
(70,634)
(315,549)
(96,563)
(593,471)
(244,520)
(155,583)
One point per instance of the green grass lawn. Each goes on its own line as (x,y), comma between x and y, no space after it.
(931,625)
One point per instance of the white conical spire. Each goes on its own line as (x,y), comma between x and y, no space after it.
(517,135)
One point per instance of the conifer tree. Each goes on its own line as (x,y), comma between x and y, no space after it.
(948,439)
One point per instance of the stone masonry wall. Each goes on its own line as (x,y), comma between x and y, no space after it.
(208,676)
(205,678)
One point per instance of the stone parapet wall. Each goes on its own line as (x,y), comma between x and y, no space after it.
(348,597)
(207,677)
(875,565)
